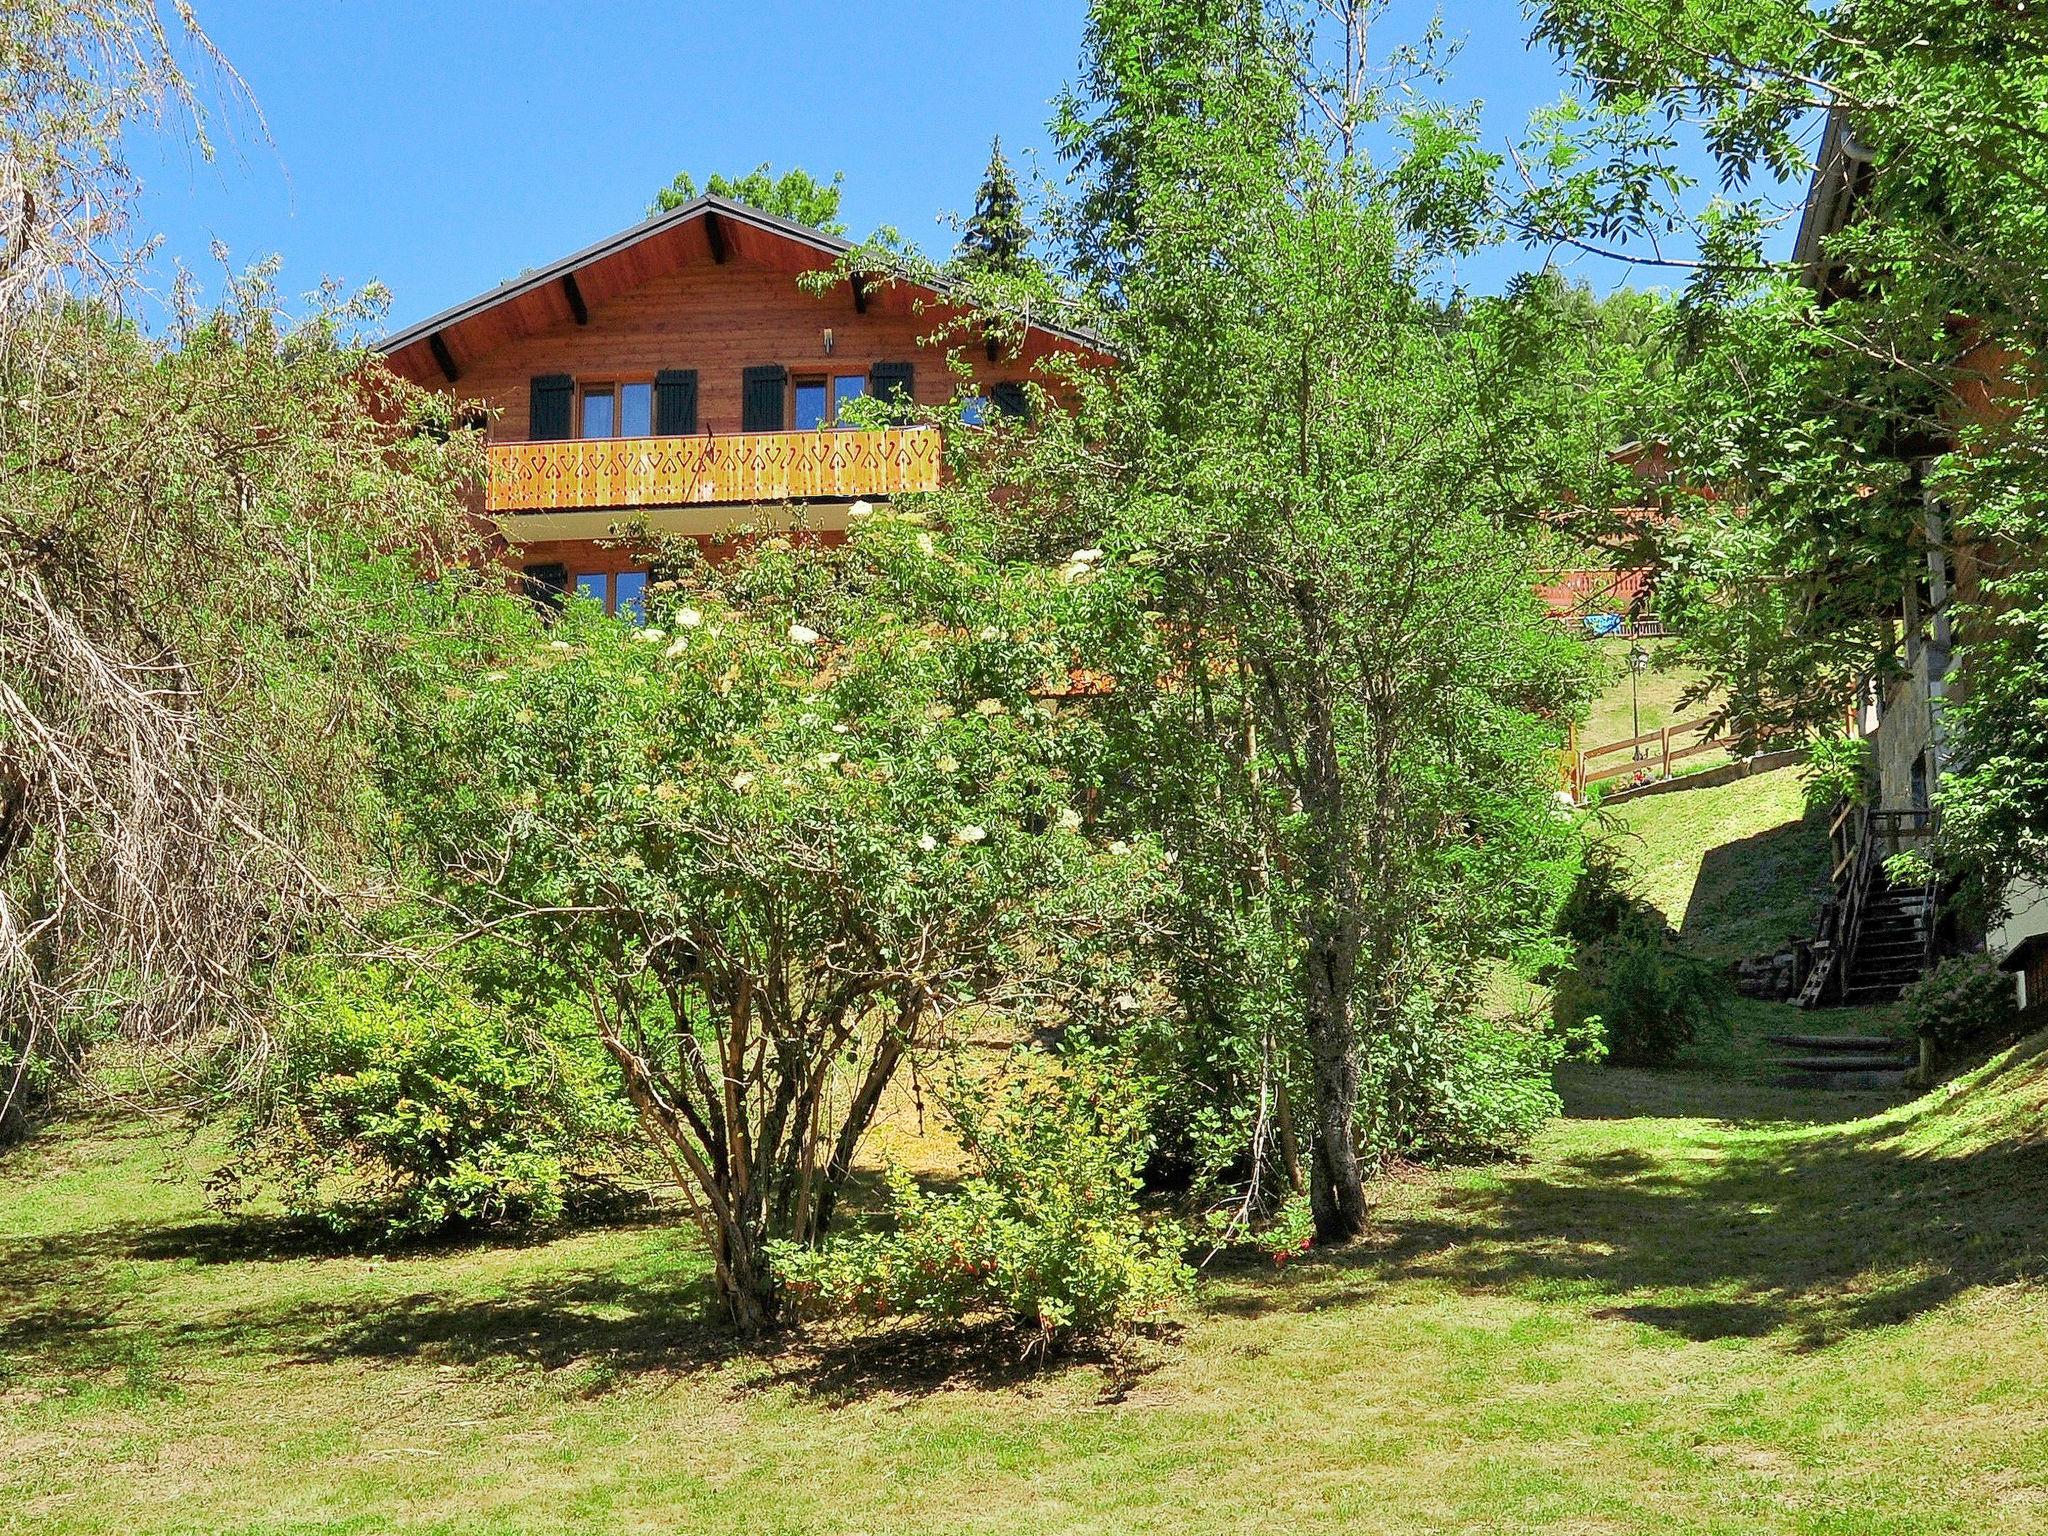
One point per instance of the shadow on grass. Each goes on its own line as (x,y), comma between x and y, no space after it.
(71,1312)
(1759,892)
(1807,1236)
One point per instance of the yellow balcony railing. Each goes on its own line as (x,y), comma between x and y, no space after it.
(704,470)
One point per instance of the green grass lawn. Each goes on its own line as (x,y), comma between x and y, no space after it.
(1657,690)
(1738,869)
(1704,1302)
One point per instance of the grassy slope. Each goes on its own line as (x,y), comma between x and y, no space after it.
(1704,1304)
(1738,869)
(1658,692)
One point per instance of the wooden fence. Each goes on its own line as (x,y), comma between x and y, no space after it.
(1658,749)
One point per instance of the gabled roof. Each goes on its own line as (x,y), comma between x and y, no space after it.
(706,228)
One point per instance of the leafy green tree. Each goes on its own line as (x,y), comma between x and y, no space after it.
(1309,560)
(795,194)
(996,238)
(799,830)
(1836,425)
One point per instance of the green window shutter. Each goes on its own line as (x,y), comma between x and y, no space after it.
(548,418)
(894,383)
(546,585)
(1009,398)
(761,395)
(675,402)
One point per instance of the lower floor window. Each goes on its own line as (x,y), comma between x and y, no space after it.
(623,593)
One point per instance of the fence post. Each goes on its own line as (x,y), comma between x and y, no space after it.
(1666,734)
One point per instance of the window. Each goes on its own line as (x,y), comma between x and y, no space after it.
(599,416)
(616,410)
(629,590)
(819,401)
(972,409)
(623,593)
(636,410)
(813,404)
(845,387)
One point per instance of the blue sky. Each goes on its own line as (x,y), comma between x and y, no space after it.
(442,148)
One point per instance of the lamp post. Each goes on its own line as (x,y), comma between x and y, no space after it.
(1638,664)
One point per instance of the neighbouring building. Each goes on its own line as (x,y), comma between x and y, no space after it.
(1901,711)
(678,373)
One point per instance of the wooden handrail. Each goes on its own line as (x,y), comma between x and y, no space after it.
(599,473)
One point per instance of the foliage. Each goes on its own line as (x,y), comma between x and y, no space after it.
(771,845)
(996,238)
(1838,767)
(1964,1001)
(209,551)
(795,195)
(1456,1085)
(404,1109)
(1647,998)
(1306,548)
(1912,383)
(1045,1230)
(1629,991)
(210,556)
(83,82)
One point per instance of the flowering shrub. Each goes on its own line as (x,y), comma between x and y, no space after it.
(1046,1232)
(1964,1000)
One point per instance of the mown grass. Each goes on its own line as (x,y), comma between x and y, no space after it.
(1657,691)
(1738,869)
(1704,1302)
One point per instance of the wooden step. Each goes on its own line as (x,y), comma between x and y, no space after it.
(1872,1063)
(1855,1045)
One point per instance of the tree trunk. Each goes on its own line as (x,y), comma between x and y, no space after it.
(745,1283)
(1336,1182)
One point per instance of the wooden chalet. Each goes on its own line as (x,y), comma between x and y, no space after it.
(678,373)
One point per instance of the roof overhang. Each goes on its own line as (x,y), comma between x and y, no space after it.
(1841,177)
(711,230)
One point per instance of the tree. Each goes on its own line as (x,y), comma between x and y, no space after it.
(1836,425)
(996,238)
(773,847)
(207,550)
(795,194)
(1309,559)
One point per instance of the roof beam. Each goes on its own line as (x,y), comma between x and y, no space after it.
(574,294)
(444,357)
(714,231)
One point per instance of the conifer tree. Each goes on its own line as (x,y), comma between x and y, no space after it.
(996,237)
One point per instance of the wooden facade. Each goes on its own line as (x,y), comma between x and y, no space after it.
(708,297)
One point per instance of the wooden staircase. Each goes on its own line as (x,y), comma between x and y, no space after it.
(1876,936)
(1892,944)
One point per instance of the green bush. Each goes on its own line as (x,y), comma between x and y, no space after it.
(1630,994)
(396,1113)
(1447,1085)
(1645,998)
(1966,1000)
(1045,1232)
(1837,768)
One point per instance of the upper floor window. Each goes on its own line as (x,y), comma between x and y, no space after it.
(819,401)
(623,593)
(616,410)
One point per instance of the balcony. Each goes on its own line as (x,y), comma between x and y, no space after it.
(737,468)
